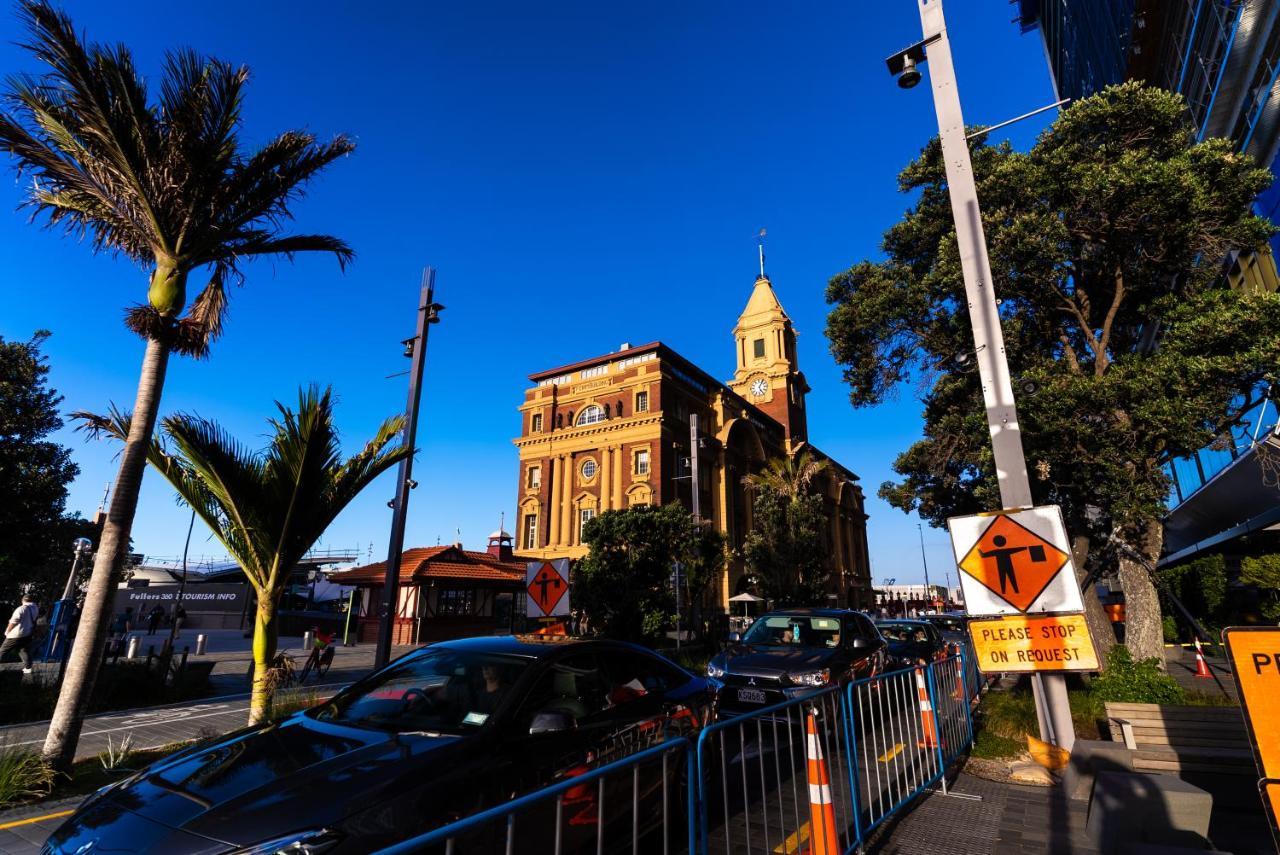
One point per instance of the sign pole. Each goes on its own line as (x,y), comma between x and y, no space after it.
(988,340)
(428,313)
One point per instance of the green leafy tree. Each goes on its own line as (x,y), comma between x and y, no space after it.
(1201,585)
(1263,571)
(785,552)
(266,507)
(624,582)
(1106,241)
(34,471)
(166,183)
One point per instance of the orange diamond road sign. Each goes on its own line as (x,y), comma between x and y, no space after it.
(547,587)
(1015,562)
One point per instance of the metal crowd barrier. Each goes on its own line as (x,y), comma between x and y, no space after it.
(816,773)
(617,807)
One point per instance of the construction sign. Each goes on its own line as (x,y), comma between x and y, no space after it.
(1254,652)
(548,588)
(1013,562)
(1033,643)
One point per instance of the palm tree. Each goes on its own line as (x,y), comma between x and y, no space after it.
(266,507)
(788,477)
(165,183)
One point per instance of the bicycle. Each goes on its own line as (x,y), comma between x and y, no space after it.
(321,659)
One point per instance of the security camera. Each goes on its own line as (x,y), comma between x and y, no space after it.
(910,75)
(1028,386)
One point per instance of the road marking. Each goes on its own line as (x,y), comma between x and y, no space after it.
(889,755)
(133,726)
(35,819)
(795,841)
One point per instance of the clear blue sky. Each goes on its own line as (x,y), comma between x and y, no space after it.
(581,174)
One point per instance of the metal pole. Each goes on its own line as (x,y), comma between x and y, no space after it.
(988,340)
(693,467)
(60,617)
(182,587)
(928,594)
(428,313)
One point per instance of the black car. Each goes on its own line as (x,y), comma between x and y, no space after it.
(791,652)
(951,626)
(912,642)
(436,735)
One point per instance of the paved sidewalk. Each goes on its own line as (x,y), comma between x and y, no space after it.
(1181,664)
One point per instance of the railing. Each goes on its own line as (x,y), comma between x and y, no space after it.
(583,808)
(816,773)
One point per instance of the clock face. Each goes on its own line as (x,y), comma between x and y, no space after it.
(759,387)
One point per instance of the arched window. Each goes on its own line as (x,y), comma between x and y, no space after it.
(559,419)
(606,411)
(590,415)
(619,409)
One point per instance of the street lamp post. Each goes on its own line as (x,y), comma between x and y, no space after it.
(1052,711)
(60,617)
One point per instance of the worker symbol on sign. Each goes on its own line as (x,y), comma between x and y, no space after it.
(1013,562)
(547,587)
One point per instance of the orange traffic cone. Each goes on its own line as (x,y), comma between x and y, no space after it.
(823,839)
(928,731)
(959,693)
(1202,667)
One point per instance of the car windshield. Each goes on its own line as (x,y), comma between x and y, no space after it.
(904,633)
(797,630)
(948,624)
(442,691)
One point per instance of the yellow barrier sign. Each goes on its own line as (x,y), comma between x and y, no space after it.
(1255,660)
(1033,643)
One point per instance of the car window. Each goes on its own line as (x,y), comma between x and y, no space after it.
(795,630)
(444,690)
(570,685)
(631,675)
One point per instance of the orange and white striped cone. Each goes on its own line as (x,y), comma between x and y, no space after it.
(823,839)
(959,693)
(928,730)
(1202,667)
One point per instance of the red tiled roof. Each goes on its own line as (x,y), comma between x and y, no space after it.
(439,562)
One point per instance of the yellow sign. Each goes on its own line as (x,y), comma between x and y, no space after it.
(1255,660)
(1033,643)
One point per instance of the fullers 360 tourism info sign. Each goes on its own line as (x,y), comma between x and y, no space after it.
(1016,571)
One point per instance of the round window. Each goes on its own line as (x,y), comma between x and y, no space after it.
(589,469)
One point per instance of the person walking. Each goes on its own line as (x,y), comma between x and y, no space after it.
(179,618)
(154,618)
(19,632)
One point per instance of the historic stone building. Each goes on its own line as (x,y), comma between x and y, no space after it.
(616,431)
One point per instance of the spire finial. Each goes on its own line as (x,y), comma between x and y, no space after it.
(760,245)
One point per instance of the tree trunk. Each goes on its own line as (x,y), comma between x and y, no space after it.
(88,650)
(266,630)
(1143,631)
(1104,637)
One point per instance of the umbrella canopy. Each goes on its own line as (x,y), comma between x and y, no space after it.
(746,598)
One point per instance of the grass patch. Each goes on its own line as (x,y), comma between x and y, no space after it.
(24,776)
(991,746)
(1215,698)
(86,776)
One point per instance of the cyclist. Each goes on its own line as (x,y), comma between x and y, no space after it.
(322,652)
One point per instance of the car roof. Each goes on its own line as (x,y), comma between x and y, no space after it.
(902,622)
(816,612)
(532,646)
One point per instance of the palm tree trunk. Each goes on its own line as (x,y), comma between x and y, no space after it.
(88,650)
(266,630)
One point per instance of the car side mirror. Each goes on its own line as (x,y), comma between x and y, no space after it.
(550,721)
(735,637)
(860,643)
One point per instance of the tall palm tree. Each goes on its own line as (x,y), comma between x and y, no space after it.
(788,477)
(165,183)
(266,507)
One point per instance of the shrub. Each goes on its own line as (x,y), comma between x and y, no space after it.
(1170,626)
(1011,715)
(116,756)
(990,746)
(23,775)
(1140,682)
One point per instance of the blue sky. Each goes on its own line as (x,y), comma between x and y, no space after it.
(581,174)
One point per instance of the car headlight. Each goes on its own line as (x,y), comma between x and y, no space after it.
(715,671)
(299,843)
(812,678)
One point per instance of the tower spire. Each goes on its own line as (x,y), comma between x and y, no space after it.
(760,246)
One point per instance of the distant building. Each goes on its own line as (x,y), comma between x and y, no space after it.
(445,592)
(614,432)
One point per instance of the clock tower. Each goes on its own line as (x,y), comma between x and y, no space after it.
(768,374)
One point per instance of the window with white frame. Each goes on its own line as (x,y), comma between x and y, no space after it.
(588,469)
(642,462)
(642,402)
(590,415)
(585,515)
(530,531)
(535,423)
(534,480)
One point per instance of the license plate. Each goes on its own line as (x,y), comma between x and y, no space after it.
(751,696)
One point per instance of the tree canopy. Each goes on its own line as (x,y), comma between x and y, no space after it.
(1106,241)
(624,582)
(34,471)
(785,552)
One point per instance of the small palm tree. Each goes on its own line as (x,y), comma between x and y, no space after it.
(165,183)
(269,507)
(788,477)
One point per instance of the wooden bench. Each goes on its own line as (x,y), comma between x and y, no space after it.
(1178,740)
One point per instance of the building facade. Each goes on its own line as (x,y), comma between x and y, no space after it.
(635,426)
